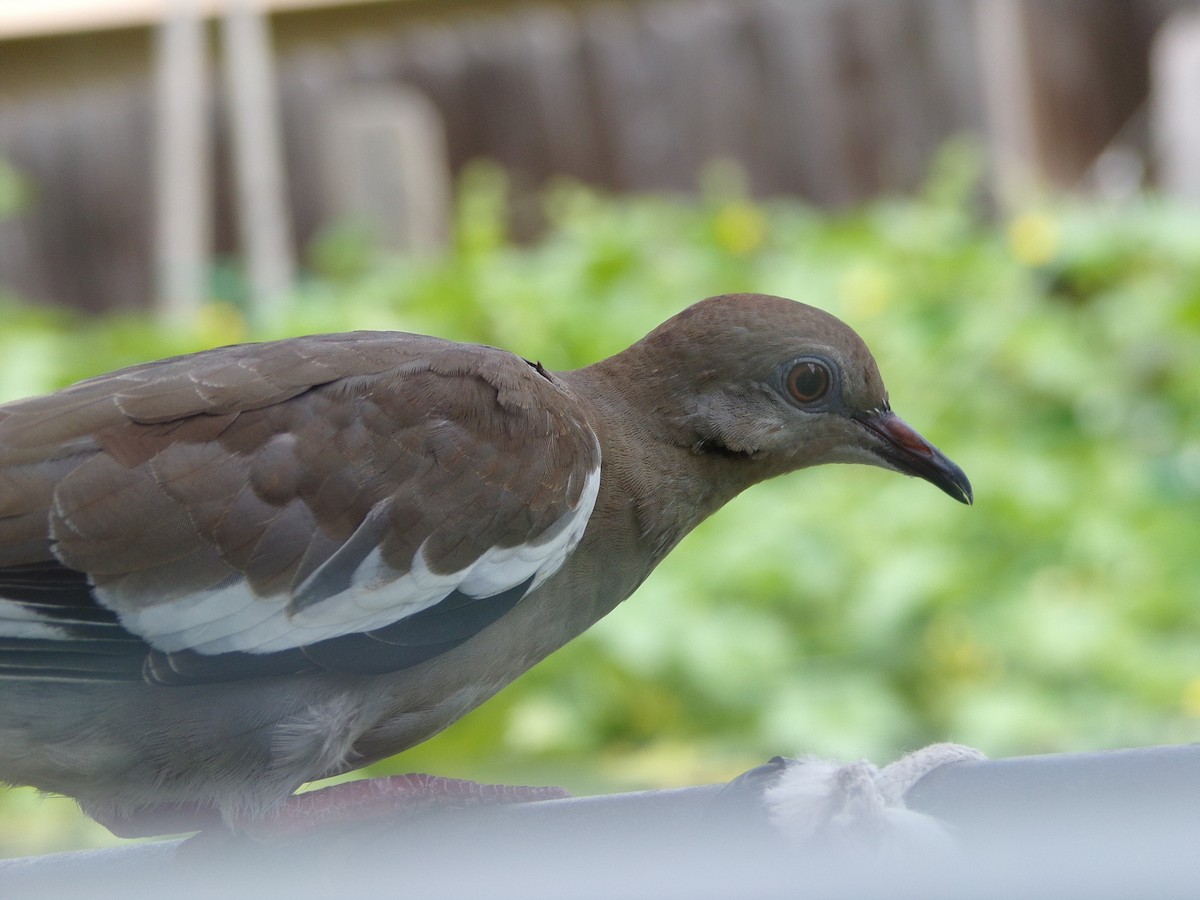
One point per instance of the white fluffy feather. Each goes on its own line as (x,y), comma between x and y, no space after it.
(859,805)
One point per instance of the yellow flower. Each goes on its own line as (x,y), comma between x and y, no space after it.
(740,227)
(1034,238)
(218,324)
(956,652)
(1190,701)
(865,291)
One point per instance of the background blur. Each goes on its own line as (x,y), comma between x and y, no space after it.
(1000,195)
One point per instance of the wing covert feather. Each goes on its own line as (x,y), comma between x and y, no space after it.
(261,498)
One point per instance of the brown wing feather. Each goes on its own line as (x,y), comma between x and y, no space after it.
(260,461)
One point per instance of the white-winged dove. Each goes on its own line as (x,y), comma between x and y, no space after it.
(226,574)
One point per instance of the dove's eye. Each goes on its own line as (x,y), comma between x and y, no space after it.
(808,381)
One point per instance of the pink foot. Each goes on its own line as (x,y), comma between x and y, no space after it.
(341,804)
(371,798)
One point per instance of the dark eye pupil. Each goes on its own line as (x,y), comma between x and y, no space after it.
(808,382)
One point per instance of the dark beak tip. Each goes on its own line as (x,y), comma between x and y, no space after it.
(944,474)
(911,454)
(966,495)
(948,476)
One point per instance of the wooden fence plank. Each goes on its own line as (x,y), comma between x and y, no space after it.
(258,153)
(829,100)
(182,166)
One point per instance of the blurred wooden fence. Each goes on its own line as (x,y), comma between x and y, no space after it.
(830,100)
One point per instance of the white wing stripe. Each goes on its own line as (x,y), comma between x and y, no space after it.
(17,621)
(232,618)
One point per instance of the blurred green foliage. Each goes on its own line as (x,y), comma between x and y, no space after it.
(845,611)
(14,189)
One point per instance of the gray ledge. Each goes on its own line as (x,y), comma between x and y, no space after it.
(1114,824)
